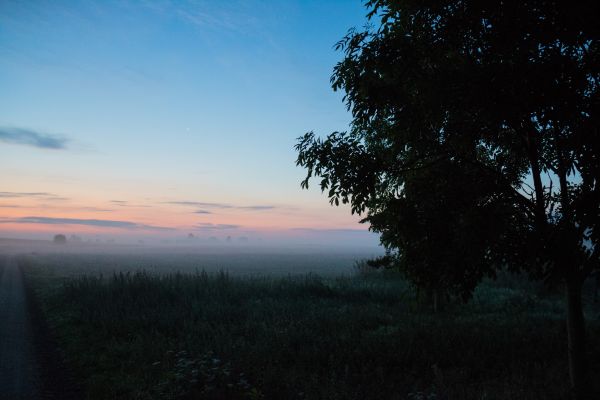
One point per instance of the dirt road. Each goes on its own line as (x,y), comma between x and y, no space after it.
(19,370)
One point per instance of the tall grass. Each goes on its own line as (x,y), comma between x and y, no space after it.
(136,335)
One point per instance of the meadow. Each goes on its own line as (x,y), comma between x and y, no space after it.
(299,326)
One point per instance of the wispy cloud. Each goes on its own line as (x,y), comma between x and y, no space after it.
(25,194)
(56,198)
(199,204)
(202,212)
(237,17)
(37,195)
(58,207)
(102,223)
(28,137)
(124,203)
(256,208)
(205,226)
(204,19)
(98,209)
(219,206)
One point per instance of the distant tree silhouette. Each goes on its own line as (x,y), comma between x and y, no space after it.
(474,144)
(60,239)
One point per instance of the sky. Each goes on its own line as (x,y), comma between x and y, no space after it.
(160,119)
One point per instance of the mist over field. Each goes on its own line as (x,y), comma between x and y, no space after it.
(238,259)
(351,241)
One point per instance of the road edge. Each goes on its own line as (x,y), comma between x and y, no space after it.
(58,382)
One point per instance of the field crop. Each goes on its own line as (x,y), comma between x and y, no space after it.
(135,329)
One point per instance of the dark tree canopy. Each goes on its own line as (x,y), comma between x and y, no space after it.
(475,141)
(467,118)
(59,239)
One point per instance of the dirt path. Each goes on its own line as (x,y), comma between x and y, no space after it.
(19,370)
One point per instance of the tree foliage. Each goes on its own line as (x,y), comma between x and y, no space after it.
(474,142)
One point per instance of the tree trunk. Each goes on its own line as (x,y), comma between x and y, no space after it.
(576,340)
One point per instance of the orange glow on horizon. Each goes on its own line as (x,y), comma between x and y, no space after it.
(161,219)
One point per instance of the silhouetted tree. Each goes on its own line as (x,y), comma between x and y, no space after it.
(474,143)
(60,239)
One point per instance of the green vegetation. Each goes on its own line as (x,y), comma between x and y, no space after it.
(139,335)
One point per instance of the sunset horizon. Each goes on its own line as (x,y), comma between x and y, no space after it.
(103,138)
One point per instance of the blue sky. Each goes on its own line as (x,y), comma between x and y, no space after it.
(139,107)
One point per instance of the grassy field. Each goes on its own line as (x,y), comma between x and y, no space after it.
(134,328)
